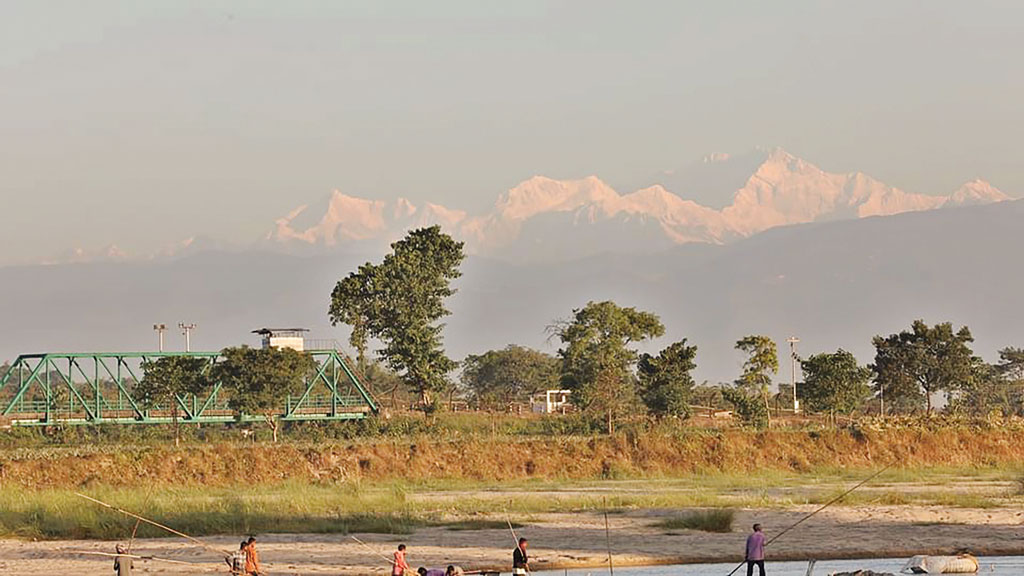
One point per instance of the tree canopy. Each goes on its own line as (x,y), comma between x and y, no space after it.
(914,364)
(761,363)
(399,303)
(260,379)
(169,378)
(994,387)
(834,382)
(1011,364)
(598,357)
(749,406)
(666,382)
(498,378)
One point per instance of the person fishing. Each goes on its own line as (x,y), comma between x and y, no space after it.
(122,564)
(432,572)
(754,555)
(520,559)
(454,571)
(399,565)
(236,561)
(252,558)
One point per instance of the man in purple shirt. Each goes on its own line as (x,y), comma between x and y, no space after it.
(755,551)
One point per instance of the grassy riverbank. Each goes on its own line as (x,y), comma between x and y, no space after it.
(460,476)
(401,507)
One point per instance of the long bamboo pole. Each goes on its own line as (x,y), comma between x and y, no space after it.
(135,530)
(133,556)
(608,543)
(367,546)
(825,505)
(515,538)
(157,524)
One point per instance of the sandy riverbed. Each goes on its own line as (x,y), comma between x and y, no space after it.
(569,540)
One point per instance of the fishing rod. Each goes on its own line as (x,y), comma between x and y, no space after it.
(508,518)
(132,556)
(367,546)
(157,524)
(135,530)
(608,542)
(825,505)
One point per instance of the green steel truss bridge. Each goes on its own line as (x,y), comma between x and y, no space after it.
(96,388)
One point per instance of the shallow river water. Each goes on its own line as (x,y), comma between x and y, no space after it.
(990,565)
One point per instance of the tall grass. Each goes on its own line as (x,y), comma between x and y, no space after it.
(401,507)
(461,476)
(719,520)
(287,508)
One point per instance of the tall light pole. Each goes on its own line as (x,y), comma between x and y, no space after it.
(792,353)
(160,329)
(186,331)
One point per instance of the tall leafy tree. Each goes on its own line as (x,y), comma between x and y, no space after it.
(351,303)
(762,361)
(986,391)
(261,379)
(994,388)
(598,355)
(400,303)
(166,381)
(761,364)
(834,382)
(914,364)
(666,382)
(1011,364)
(513,374)
(1010,372)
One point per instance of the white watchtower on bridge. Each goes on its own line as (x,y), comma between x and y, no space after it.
(294,338)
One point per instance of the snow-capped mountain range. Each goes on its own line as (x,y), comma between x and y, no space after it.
(718,200)
(537,217)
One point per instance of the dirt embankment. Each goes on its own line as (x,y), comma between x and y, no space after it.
(508,458)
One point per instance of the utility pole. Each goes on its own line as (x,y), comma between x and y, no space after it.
(160,329)
(186,331)
(792,353)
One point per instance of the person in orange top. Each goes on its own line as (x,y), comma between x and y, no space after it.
(399,564)
(252,559)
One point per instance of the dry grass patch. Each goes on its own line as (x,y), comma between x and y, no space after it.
(717,520)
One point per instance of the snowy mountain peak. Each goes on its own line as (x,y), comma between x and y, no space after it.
(772,187)
(780,165)
(540,194)
(404,208)
(976,192)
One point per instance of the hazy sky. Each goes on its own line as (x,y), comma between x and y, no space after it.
(142,123)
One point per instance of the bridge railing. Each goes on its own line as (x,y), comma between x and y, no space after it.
(84,388)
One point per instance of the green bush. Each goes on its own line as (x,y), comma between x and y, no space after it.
(718,520)
(749,407)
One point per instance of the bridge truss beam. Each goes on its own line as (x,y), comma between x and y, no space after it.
(94,388)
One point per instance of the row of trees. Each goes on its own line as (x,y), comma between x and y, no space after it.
(256,380)
(400,303)
(910,369)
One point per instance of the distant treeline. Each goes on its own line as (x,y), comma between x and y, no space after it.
(400,303)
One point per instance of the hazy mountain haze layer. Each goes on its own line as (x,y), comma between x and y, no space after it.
(546,219)
(832,283)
